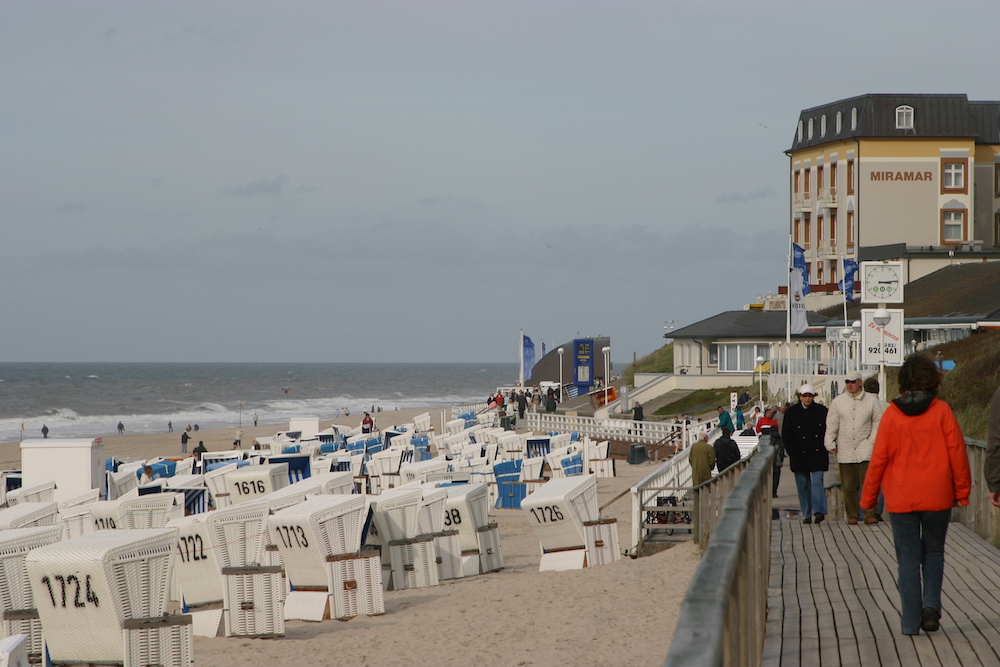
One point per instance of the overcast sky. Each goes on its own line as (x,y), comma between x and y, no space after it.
(417,180)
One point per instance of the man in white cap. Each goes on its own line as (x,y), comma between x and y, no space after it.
(803,432)
(851,425)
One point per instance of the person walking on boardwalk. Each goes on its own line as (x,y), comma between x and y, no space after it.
(727,452)
(725,421)
(851,425)
(991,467)
(803,432)
(920,463)
(702,460)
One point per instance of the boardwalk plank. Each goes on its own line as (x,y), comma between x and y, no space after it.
(832,600)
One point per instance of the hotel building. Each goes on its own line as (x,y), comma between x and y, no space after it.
(909,177)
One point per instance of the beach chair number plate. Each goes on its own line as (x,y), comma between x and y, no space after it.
(547,514)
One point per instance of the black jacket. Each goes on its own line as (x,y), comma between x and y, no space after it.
(727,452)
(803,432)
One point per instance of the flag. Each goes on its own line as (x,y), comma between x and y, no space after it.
(543,349)
(846,285)
(528,354)
(798,287)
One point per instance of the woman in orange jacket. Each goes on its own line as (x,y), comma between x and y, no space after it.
(920,463)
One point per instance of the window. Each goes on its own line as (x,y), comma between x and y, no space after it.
(850,229)
(854,119)
(822,126)
(833,225)
(805,181)
(741,357)
(797,223)
(810,128)
(904,117)
(850,177)
(713,354)
(952,227)
(819,272)
(819,229)
(819,177)
(800,130)
(953,175)
(796,182)
(833,176)
(996,180)
(807,225)
(840,121)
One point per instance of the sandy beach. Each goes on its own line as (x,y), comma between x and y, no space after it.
(623,613)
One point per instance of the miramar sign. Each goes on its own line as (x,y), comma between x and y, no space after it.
(902,175)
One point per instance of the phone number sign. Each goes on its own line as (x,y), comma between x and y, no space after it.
(882,345)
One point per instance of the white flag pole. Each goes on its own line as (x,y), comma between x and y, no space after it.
(788,327)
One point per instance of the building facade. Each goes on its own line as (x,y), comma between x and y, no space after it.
(915,174)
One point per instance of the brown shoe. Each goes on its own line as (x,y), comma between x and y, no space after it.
(870,520)
(852,521)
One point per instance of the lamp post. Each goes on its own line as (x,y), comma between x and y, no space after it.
(881,318)
(846,334)
(561,374)
(760,383)
(856,327)
(607,370)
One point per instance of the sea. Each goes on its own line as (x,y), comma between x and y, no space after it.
(90,399)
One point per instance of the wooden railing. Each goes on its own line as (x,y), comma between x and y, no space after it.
(724,615)
(979,515)
(615,429)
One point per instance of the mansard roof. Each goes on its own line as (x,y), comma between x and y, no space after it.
(934,116)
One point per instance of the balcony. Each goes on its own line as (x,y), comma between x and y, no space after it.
(827,198)
(827,249)
(802,201)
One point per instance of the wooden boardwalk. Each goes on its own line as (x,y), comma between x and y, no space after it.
(832,600)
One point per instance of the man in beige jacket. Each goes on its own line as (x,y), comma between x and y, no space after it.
(851,426)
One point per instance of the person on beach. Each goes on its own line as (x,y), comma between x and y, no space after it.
(170,427)
(255,419)
(803,432)
(45,431)
(920,463)
(200,449)
(147,475)
(184,442)
(121,428)
(851,425)
(991,466)
(367,424)
(522,404)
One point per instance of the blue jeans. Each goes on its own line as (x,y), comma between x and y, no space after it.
(812,493)
(919,538)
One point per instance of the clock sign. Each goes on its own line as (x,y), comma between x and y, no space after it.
(882,282)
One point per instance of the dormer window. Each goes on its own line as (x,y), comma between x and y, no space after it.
(904,117)
(854,119)
(822,126)
(840,120)
(800,130)
(810,128)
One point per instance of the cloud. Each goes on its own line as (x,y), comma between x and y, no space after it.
(273,187)
(744,197)
(72,207)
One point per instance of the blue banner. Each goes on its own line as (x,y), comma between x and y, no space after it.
(528,351)
(799,263)
(846,285)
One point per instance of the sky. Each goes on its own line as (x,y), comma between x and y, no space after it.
(418,180)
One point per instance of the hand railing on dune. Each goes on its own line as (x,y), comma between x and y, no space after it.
(723,618)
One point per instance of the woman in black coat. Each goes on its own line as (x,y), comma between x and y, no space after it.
(803,432)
